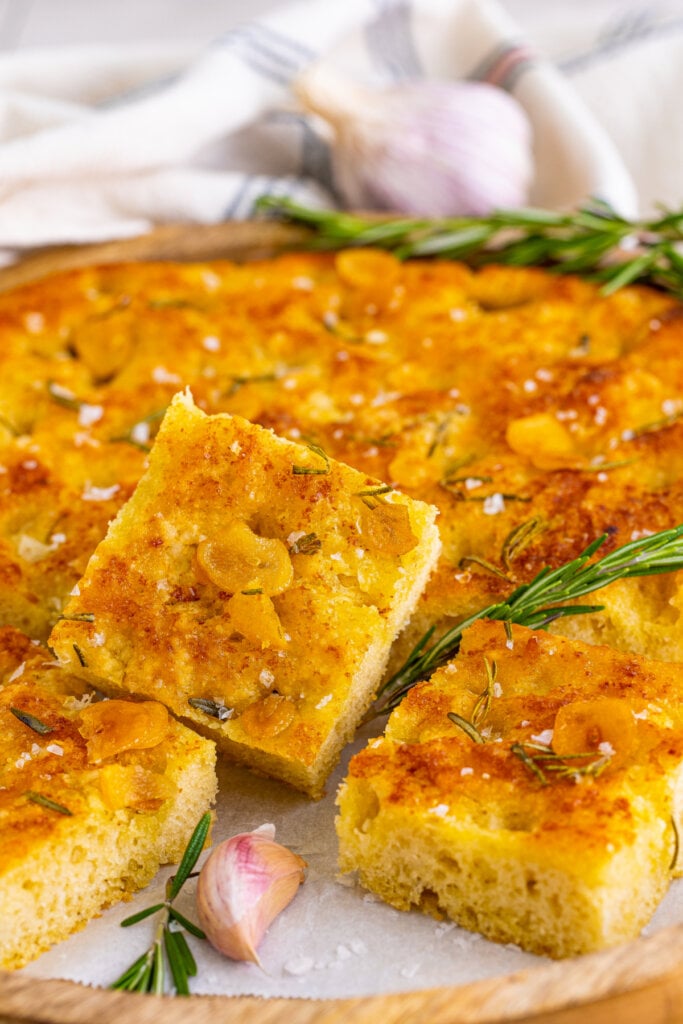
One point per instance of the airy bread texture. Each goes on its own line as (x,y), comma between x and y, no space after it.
(557,829)
(94,797)
(255,587)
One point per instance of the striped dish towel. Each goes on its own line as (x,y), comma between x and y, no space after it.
(105,143)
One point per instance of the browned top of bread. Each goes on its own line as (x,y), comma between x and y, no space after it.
(507,397)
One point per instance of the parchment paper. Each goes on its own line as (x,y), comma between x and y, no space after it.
(334,940)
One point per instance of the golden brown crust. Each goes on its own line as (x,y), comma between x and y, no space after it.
(254,574)
(78,829)
(451,385)
(574,860)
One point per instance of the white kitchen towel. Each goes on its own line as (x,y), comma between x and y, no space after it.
(100,143)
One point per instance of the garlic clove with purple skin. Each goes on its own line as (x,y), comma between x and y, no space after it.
(435,148)
(244,884)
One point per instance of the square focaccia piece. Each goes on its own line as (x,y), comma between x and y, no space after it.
(530,790)
(94,796)
(254,587)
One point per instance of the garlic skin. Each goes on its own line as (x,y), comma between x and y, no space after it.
(244,884)
(435,148)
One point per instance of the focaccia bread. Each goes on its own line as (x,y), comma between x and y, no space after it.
(255,587)
(94,796)
(546,812)
(534,412)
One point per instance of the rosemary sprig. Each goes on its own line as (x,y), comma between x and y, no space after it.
(592,240)
(547,597)
(169,946)
(540,759)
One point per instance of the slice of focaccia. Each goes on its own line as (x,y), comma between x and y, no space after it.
(94,796)
(254,587)
(530,790)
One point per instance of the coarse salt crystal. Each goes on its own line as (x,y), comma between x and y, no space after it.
(97,640)
(606,748)
(441,810)
(17,672)
(545,737)
(100,493)
(530,386)
(89,414)
(34,322)
(54,748)
(163,376)
(324,702)
(211,343)
(140,433)
(497,690)
(494,504)
(266,677)
(467,771)
(75,591)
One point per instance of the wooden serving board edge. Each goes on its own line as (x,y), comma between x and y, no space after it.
(640,982)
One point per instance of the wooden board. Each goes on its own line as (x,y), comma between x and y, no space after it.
(638,983)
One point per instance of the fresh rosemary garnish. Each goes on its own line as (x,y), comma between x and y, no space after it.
(169,947)
(538,603)
(31,721)
(593,241)
(252,592)
(540,759)
(310,470)
(80,617)
(49,805)
(309,544)
(213,708)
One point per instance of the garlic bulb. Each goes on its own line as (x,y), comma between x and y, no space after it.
(423,147)
(244,884)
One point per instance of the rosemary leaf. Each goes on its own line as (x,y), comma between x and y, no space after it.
(49,805)
(176,963)
(677,844)
(476,560)
(80,617)
(185,951)
(191,855)
(467,727)
(187,925)
(528,762)
(593,240)
(79,654)
(141,915)
(519,538)
(31,721)
(309,544)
